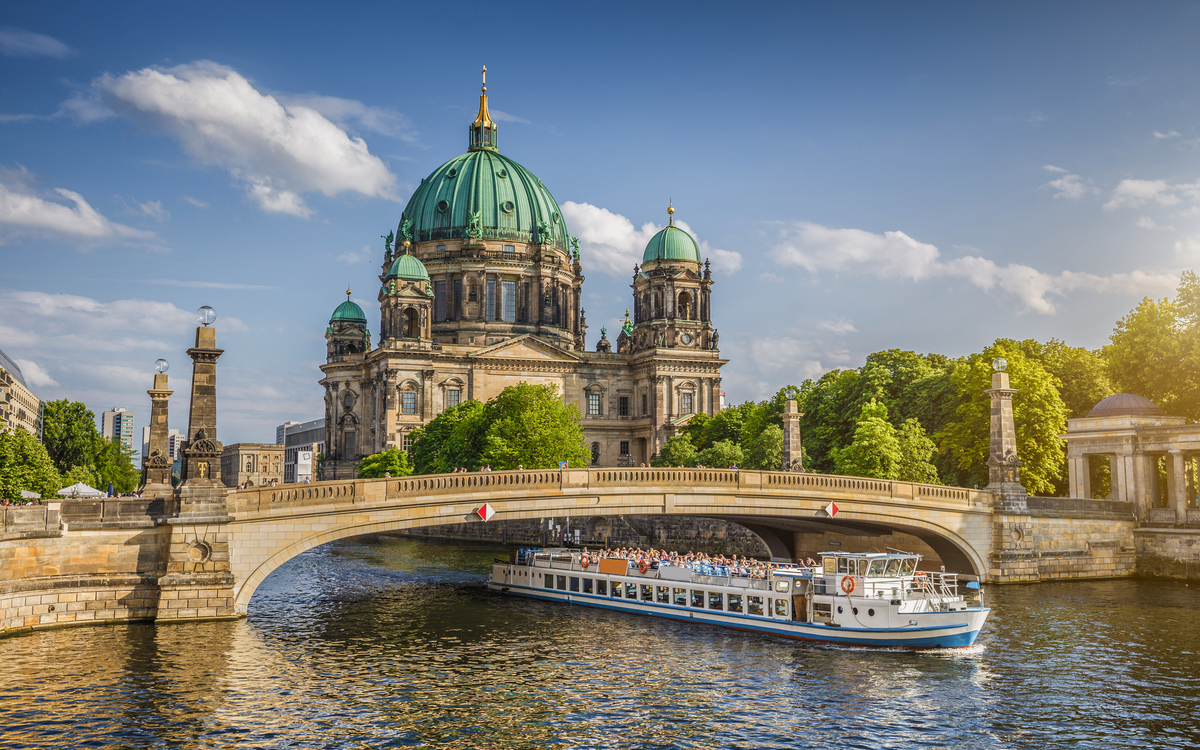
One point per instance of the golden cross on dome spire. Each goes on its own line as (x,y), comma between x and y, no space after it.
(484,79)
(483,130)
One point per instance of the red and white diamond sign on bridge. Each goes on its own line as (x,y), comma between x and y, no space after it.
(486,511)
(832,510)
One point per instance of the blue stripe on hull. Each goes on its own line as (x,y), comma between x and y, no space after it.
(946,640)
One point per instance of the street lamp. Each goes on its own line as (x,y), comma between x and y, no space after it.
(206,315)
(161,366)
(999,364)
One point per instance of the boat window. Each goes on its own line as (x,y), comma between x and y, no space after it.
(781,586)
(616,590)
(893,567)
(647,593)
(664,594)
(716,600)
(698,599)
(549,582)
(830,564)
(562,583)
(630,591)
(754,605)
(910,564)
(781,607)
(587,585)
(574,583)
(680,597)
(601,587)
(735,602)
(877,567)
(842,565)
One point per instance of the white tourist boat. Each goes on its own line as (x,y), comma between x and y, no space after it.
(859,599)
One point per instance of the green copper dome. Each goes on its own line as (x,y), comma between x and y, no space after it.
(348,312)
(672,243)
(510,202)
(409,268)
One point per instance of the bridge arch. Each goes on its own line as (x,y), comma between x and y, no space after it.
(271,526)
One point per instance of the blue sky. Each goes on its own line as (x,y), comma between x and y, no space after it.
(922,176)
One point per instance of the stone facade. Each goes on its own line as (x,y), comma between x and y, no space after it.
(19,408)
(252,464)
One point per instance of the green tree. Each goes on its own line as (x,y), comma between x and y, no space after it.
(1154,350)
(678,451)
(530,426)
(1038,411)
(696,427)
(25,465)
(69,434)
(80,474)
(110,463)
(875,450)
(1082,375)
(392,461)
(829,416)
(437,450)
(765,452)
(721,455)
(916,454)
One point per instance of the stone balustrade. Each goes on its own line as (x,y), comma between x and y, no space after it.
(31,521)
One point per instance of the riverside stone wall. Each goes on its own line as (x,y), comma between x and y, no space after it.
(1054,544)
(1168,553)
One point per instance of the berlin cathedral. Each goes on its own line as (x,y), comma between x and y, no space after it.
(482,291)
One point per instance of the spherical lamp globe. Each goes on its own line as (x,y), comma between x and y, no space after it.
(999,364)
(206,315)
(161,366)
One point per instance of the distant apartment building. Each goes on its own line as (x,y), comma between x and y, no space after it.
(251,464)
(281,432)
(303,443)
(174,440)
(118,423)
(19,408)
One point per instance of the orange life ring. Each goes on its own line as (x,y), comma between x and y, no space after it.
(919,575)
(848,585)
(584,562)
(642,566)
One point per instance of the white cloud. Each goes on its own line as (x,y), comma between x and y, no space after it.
(1037,117)
(195,201)
(1188,249)
(276,151)
(1134,193)
(894,255)
(353,257)
(347,113)
(499,116)
(1052,168)
(209,285)
(1071,186)
(155,210)
(22,43)
(838,325)
(610,242)
(1168,134)
(58,213)
(82,106)
(1145,222)
(35,374)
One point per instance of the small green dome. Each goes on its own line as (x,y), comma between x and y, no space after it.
(409,268)
(511,202)
(348,312)
(672,243)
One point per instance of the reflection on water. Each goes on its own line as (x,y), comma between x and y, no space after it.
(393,643)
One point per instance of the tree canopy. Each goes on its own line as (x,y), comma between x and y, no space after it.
(25,465)
(524,425)
(392,461)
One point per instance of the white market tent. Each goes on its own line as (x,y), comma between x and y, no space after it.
(27,495)
(81,490)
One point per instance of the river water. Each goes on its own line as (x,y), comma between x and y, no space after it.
(385,642)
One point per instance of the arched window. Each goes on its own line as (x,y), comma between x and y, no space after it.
(685,306)
(412,324)
(595,454)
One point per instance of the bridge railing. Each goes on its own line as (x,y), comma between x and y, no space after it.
(261,499)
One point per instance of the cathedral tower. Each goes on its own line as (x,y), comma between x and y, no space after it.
(671,294)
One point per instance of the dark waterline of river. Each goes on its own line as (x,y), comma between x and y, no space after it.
(385,642)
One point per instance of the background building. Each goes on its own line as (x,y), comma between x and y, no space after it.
(483,291)
(174,438)
(305,442)
(251,464)
(118,422)
(281,432)
(19,408)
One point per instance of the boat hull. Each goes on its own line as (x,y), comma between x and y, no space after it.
(959,629)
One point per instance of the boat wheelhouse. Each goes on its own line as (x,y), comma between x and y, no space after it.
(861,599)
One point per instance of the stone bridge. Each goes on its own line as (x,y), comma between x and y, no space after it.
(271,525)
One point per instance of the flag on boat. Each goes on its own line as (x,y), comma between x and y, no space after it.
(486,511)
(832,509)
